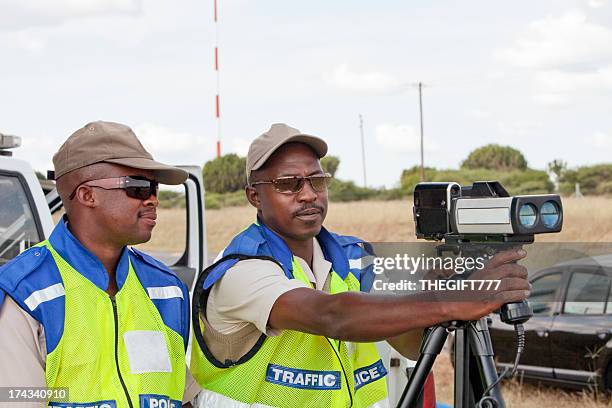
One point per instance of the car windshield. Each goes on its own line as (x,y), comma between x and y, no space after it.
(17,225)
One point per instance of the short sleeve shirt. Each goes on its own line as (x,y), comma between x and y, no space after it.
(248,290)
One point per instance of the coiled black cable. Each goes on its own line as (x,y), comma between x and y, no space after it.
(489,402)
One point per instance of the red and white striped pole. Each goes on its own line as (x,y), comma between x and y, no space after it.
(217,103)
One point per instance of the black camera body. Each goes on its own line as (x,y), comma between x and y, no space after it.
(483,212)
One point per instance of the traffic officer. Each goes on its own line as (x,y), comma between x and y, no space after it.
(83,311)
(283,320)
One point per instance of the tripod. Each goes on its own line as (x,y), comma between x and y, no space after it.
(474,366)
(476,378)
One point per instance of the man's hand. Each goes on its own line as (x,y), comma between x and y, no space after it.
(513,287)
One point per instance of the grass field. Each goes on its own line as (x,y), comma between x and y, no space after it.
(585,220)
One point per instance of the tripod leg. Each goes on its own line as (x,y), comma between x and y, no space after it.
(463,391)
(431,347)
(482,351)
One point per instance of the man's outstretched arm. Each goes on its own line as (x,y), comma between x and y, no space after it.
(364,317)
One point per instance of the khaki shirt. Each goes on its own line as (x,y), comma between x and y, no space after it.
(248,290)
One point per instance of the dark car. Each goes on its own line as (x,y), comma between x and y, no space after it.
(569,337)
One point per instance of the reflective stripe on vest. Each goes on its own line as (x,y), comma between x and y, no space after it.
(297,369)
(209,399)
(112,348)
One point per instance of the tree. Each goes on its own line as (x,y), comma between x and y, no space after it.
(330,164)
(557,168)
(225,174)
(495,157)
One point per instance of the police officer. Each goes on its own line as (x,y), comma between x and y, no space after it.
(283,319)
(83,311)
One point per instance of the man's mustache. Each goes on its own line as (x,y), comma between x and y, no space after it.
(307,207)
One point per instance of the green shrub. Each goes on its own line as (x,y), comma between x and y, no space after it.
(171,199)
(330,164)
(341,190)
(516,182)
(215,201)
(589,177)
(604,188)
(495,157)
(225,174)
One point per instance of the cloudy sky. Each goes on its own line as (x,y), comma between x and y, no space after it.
(536,75)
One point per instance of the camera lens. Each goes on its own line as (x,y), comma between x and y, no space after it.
(550,214)
(527,215)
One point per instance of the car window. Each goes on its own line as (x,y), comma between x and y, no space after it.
(587,293)
(543,293)
(17,224)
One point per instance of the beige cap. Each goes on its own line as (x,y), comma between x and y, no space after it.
(110,143)
(263,146)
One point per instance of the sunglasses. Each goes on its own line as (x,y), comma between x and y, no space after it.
(295,184)
(137,187)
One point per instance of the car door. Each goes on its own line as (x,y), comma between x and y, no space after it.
(581,331)
(536,360)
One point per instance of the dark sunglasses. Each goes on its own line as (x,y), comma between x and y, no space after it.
(137,187)
(295,184)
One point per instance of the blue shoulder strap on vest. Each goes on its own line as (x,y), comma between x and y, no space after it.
(250,242)
(259,240)
(34,270)
(359,254)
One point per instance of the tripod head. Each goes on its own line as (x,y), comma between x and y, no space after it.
(510,313)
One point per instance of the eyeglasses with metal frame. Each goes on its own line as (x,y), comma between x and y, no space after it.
(295,184)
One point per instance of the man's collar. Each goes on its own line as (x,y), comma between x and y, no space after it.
(83,260)
(332,250)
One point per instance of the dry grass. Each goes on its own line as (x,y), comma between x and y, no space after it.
(586,220)
(517,395)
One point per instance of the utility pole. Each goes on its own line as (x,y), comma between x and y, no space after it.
(363,159)
(421,112)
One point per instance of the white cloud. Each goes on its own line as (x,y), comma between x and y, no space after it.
(477,113)
(518,128)
(600,140)
(175,147)
(343,78)
(26,40)
(551,100)
(558,88)
(597,3)
(555,41)
(398,138)
(240,146)
(17,14)
(569,82)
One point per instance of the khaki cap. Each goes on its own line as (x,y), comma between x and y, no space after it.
(110,142)
(265,145)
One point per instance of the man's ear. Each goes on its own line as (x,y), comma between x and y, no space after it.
(253,196)
(86,196)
